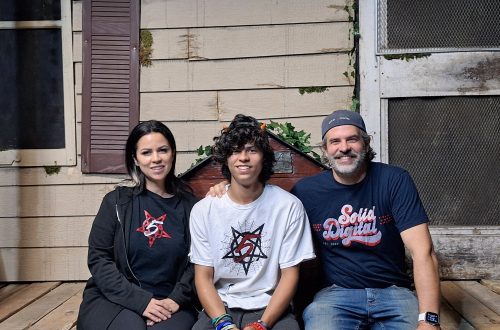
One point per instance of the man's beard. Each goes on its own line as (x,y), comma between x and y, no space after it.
(351,169)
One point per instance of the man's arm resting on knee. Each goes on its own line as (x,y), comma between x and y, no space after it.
(425,270)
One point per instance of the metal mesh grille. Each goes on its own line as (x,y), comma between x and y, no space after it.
(451,147)
(408,26)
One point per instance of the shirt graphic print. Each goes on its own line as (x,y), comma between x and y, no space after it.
(245,246)
(152,228)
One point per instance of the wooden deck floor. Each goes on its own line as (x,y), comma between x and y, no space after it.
(54,305)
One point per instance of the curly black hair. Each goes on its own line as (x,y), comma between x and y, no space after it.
(242,130)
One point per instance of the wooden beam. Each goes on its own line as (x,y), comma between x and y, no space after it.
(45,232)
(194,13)
(9,289)
(22,298)
(247,73)
(450,319)
(42,306)
(493,285)
(44,264)
(63,317)
(482,293)
(478,315)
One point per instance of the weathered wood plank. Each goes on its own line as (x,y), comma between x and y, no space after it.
(44,264)
(450,319)
(467,252)
(224,105)
(10,289)
(15,302)
(191,134)
(77,15)
(77,46)
(185,160)
(78,75)
(193,13)
(267,40)
(45,232)
(246,41)
(493,285)
(441,74)
(41,307)
(179,106)
(477,314)
(170,44)
(283,103)
(50,201)
(63,317)
(482,293)
(31,176)
(249,73)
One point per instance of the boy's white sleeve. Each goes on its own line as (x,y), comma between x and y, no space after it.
(297,245)
(200,247)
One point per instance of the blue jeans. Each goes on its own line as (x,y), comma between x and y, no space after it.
(335,307)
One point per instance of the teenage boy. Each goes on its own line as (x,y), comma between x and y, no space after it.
(247,245)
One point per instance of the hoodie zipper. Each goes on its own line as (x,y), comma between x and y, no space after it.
(126,257)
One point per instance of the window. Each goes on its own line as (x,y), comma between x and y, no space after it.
(37,122)
(437,26)
(450,146)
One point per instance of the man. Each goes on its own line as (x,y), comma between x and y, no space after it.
(363,214)
(247,245)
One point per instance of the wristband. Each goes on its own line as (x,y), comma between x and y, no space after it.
(264,324)
(257,326)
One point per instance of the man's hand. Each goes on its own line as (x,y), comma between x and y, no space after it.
(217,190)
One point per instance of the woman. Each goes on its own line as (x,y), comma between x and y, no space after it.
(139,243)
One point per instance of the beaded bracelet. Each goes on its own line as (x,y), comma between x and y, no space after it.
(225,317)
(225,325)
(229,326)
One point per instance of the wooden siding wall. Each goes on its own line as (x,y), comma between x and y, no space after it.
(211,60)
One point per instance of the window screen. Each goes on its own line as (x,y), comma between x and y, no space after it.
(30,10)
(451,147)
(437,25)
(31,89)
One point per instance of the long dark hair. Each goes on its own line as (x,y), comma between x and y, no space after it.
(173,185)
(243,129)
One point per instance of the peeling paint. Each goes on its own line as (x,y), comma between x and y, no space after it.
(481,73)
(484,70)
(337,7)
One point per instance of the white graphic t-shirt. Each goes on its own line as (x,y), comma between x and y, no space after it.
(248,244)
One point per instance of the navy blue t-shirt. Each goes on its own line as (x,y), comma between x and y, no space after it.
(158,245)
(357,227)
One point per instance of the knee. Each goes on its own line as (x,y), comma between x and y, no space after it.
(313,309)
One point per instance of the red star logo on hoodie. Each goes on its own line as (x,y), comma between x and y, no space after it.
(153,228)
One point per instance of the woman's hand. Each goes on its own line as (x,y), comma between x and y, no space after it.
(156,311)
(170,305)
(160,310)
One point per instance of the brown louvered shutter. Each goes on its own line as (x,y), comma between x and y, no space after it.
(110,88)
